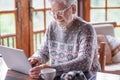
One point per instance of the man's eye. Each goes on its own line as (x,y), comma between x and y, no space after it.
(59,12)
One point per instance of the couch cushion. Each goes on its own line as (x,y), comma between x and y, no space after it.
(104,29)
(112,67)
(102,38)
(115,48)
(116,58)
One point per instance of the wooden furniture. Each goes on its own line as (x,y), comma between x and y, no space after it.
(107,28)
(102,56)
(13,75)
(106,22)
(107,76)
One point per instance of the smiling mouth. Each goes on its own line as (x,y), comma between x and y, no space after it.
(61,21)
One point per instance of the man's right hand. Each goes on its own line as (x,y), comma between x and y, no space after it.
(34,61)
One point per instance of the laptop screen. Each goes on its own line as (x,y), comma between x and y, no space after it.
(15,59)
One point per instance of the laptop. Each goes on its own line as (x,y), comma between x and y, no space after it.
(15,59)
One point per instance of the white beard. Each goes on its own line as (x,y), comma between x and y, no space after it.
(64,25)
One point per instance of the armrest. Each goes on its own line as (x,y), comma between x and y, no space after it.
(102,56)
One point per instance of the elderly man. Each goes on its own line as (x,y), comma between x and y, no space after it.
(70,43)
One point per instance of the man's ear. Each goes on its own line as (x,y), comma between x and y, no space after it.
(73,9)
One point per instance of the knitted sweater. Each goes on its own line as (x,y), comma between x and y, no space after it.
(74,48)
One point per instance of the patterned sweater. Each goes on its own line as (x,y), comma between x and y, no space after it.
(74,48)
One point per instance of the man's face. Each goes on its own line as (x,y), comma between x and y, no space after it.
(62,13)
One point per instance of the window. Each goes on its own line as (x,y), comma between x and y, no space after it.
(40,19)
(8,22)
(105,10)
(24,22)
(14,24)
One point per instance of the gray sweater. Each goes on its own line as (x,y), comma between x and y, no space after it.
(74,48)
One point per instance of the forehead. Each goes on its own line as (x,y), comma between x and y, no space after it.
(58,5)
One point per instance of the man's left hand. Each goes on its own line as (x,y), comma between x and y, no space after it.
(35,71)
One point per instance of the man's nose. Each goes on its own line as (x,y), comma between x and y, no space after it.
(55,15)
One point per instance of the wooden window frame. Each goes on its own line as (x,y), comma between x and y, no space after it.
(87,14)
(24,30)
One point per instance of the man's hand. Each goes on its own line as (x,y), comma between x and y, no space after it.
(34,61)
(35,71)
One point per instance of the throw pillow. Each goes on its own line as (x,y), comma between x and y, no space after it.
(116,58)
(115,48)
(102,38)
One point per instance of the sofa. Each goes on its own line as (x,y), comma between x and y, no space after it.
(102,31)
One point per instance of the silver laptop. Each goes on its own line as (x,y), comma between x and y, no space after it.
(15,59)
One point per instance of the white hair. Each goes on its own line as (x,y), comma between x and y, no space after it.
(66,2)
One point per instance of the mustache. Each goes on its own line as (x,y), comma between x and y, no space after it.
(59,20)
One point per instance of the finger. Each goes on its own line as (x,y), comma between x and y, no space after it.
(34,76)
(34,73)
(37,64)
(33,61)
(30,60)
(35,69)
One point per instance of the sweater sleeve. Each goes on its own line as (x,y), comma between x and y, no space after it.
(87,46)
(43,51)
